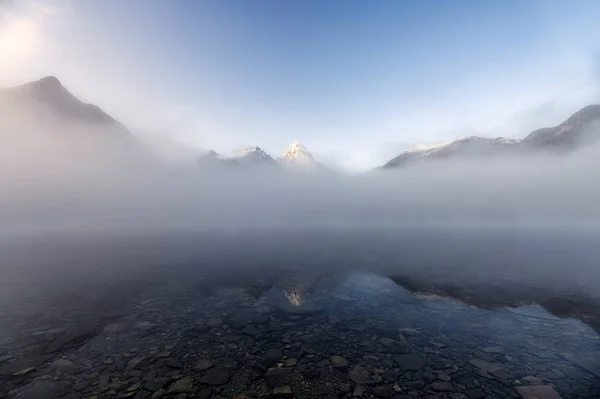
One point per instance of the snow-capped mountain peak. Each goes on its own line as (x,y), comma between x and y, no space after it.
(297,153)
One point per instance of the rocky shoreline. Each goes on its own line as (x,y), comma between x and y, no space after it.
(356,336)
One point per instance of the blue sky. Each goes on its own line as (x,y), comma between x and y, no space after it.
(355,81)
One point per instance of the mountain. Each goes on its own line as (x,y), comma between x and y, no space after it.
(580,129)
(252,156)
(297,154)
(44,120)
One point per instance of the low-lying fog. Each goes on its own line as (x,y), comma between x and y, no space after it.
(532,220)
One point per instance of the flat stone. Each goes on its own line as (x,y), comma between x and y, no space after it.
(278,376)
(23,371)
(21,364)
(496,369)
(241,319)
(251,331)
(359,390)
(39,390)
(203,364)
(271,357)
(290,362)
(71,338)
(159,394)
(442,386)
(476,393)
(216,376)
(204,393)
(283,392)
(492,349)
(63,364)
(538,392)
(390,375)
(358,374)
(384,391)
(339,362)
(302,310)
(410,361)
(181,386)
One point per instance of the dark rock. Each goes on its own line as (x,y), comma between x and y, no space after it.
(339,362)
(416,385)
(537,392)
(270,357)
(204,393)
(182,385)
(410,361)
(203,364)
(385,391)
(71,339)
(22,364)
(442,386)
(216,376)
(282,392)
(242,319)
(358,374)
(390,375)
(278,376)
(40,390)
(82,385)
(476,393)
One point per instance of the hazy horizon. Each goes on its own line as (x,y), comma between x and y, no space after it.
(357,84)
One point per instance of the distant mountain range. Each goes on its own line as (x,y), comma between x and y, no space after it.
(47,100)
(581,129)
(295,156)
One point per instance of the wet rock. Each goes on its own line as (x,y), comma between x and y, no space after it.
(82,385)
(181,386)
(442,386)
(476,393)
(358,374)
(416,385)
(159,394)
(25,363)
(270,357)
(359,390)
(71,339)
(216,376)
(492,349)
(203,364)
(291,362)
(496,369)
(241,319)
(5,358)
(410,361)
(538,392)
(339,362)
(204,393)
(385,391)
(282,392)
(251,331)
(390,375)
(23,371)
(63,365)
(302,310)
(39,390)
(278,376)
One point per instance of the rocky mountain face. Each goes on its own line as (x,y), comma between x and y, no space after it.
(44,119)
(580,129)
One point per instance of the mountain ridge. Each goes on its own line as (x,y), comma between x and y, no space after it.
(578,130)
